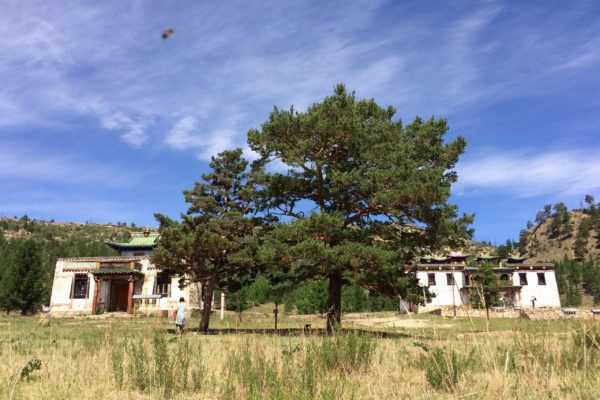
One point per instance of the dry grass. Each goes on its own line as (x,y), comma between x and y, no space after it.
(518,359)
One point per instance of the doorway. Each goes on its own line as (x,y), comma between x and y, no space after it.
(119,291)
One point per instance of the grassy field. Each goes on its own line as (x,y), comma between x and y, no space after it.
(379,355)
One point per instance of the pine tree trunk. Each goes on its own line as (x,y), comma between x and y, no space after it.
(208,287)
(334,302)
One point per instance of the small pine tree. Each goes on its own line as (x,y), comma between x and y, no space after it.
(523,240)
(547,211)
(583,233)
(28,266)
(486,286)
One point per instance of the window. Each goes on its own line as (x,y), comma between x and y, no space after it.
(450,279)
(163,285)
(522,279)
(431,279)
(541,278)
(138,254)
(80,287)
(467,280)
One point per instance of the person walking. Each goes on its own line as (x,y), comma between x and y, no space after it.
(180,317)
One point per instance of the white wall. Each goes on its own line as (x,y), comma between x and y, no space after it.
(547,295)
(445,295)
(61,302)
(60,299)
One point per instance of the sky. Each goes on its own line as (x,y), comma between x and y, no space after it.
(101,120)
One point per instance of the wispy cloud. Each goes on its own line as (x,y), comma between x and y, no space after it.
(530,174)
(35,166)
(108,62)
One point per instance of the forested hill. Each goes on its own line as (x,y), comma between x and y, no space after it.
(47,241)
(558,233)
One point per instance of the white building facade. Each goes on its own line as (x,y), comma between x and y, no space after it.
(128,282)
(520,284)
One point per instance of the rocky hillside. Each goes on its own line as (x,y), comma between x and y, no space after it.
(559,232)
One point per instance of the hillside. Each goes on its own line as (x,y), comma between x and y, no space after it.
(60,232)
(577,237)
(571,239)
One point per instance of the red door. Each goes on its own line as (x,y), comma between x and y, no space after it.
(119,293)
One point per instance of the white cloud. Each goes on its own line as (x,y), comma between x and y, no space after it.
(531,174)
(187,134)
(213,81)
(181,136)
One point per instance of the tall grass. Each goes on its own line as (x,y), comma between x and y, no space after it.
(535,360)
(316,370)
(155,364)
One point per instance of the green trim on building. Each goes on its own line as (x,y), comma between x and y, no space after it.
(120,271)
(136,241)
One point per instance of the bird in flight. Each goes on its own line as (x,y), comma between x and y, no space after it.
(167,33)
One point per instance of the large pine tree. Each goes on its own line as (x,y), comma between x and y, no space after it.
(362,190)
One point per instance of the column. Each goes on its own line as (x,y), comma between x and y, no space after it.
(130,296)
(222,305)
(95,298)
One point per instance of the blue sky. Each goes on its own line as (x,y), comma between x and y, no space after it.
(101,120)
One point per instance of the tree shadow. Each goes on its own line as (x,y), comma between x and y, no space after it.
(296,332)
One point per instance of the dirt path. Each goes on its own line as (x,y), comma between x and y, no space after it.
(395,322)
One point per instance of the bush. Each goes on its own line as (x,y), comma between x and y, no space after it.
(32,365)
(443,369)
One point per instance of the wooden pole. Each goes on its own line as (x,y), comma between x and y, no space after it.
(95,300)
(130,296)
(222,305)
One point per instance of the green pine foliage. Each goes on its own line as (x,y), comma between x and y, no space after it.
(312,298)
(213,243)
(485,285)
(576,277)
(367,181)
(581,240)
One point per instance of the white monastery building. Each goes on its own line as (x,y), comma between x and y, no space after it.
(521,284)
(127,282)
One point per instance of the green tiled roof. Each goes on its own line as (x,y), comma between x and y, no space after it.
(137,240)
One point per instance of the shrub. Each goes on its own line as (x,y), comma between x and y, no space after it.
(444,369)
(32,365)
